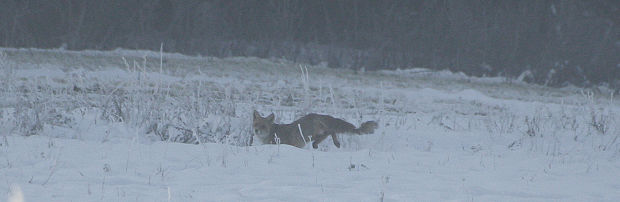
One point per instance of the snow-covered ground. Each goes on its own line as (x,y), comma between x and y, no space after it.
(109,126)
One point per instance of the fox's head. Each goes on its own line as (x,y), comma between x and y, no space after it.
(262,126)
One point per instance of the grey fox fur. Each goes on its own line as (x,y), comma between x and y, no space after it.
(314,127)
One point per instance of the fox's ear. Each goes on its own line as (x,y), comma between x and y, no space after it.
(257,115)
(271,117)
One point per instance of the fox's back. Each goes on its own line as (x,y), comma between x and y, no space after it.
(322,123)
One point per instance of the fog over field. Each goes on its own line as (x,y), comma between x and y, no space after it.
(555,42)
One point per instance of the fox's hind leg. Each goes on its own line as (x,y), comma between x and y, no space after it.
(318,140)
(335,139)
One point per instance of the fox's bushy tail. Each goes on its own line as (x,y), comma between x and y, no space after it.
(367,127)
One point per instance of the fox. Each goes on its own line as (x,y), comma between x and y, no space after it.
(312,127)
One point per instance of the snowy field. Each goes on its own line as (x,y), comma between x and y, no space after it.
(143,126)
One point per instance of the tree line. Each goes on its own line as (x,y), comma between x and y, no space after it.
(559,41)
